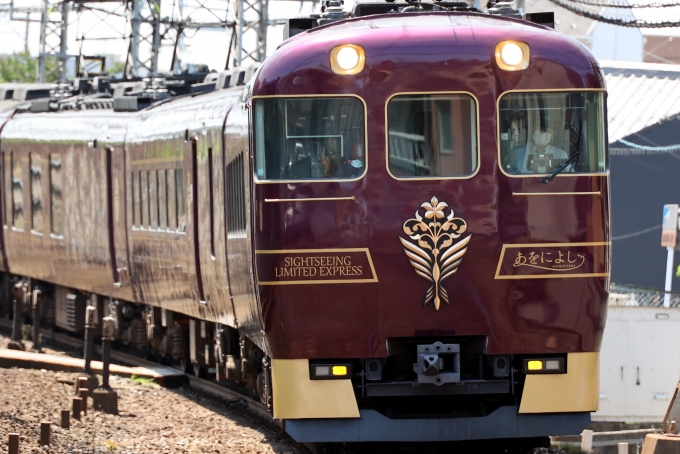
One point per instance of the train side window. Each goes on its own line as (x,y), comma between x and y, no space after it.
(136,200)
(17,192)
(309,139)
(56,196)
(539,131)
(181,201)
(172,199)
(432,136)
(153,200)
(162,201)
(36,193)
(145,198)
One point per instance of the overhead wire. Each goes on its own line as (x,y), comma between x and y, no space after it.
(579,7)
(639,232)
(625,4)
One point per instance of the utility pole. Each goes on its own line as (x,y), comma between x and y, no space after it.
(247,20)
(25,12)
(250,45)
(28,25)
(63,36)
(43,35)
(53,39)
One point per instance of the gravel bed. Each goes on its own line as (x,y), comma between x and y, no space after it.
(151,419)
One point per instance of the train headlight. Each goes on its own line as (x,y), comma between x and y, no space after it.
(329,371)
(545,366)
(347,59)
(512,55)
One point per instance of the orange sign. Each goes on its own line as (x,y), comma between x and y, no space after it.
(669,238)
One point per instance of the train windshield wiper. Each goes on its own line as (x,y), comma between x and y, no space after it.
(560,167)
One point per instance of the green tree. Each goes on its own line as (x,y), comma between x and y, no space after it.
(21,68)
(116,68)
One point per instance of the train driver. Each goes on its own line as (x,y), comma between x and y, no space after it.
(538,155)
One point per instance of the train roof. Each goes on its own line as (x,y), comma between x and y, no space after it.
(458,25)
(400,48)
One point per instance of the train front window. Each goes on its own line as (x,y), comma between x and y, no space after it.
(539,131)
(309,138)
(432,136)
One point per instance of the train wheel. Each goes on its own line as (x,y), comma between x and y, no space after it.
(200,371)
(185,365)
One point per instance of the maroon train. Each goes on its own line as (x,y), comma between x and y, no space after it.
(398,230)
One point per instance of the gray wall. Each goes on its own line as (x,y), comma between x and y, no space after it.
(641,183)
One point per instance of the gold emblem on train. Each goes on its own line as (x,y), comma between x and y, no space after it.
(436,254)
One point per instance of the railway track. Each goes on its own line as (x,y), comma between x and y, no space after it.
(231,400)
(236,403)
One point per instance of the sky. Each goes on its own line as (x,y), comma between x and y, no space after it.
(106,34)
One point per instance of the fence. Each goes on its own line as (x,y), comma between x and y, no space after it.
(631,295)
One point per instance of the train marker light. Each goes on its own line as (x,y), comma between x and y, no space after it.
(322,371)
(512,55)
(552,364)
(535,365)
(347,59)
(545,366)
(329,371)
(339,370)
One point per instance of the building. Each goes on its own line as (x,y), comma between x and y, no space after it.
(644,136)
(612,42)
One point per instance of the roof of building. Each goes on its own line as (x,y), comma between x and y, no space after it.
(640,95)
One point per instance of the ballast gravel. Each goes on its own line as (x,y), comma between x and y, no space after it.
(151,419)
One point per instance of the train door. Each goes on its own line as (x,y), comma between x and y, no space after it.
(2,209)
(196,220)
(116,209)
(311,217)
(238,184)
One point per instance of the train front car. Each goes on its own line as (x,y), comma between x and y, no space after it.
(431,228)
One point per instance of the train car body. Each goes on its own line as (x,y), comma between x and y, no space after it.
(348,265)
(412,249)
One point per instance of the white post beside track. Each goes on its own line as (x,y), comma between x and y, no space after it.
(587,440)
(669,277)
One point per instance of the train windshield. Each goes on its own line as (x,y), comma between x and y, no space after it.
(309,138)
(432,136)
(539,131)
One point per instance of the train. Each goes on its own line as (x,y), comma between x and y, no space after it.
(394,229)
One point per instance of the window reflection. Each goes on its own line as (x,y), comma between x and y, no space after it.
(539,131)
(309,138)
(432,135)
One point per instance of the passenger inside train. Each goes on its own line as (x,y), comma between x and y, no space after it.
(538,155)
(309,138)
(540,131)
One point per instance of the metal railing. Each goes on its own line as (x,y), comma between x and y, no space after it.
(632,295)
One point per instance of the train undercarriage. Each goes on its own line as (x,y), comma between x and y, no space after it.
(205,349)
(464,383)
